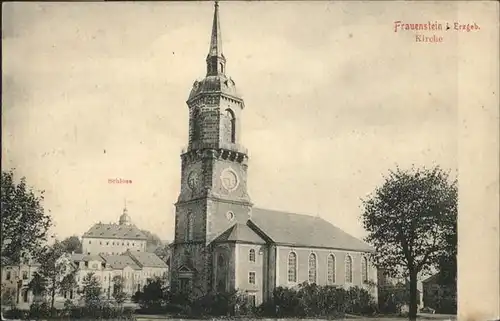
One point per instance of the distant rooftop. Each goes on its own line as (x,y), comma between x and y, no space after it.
(115,231)
(119,262)
(147,259)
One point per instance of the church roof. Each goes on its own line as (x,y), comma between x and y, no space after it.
(147,259)
(215,84)
(119,262)
(240,232)
(115,231)
(304,230)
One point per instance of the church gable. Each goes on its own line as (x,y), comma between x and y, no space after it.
(304,230)
(240,233)
(185,268)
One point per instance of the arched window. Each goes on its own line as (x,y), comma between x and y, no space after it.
(220,261)
(312,268)
(364,269)
(251,255)
(196,123)
(221,286)
(292,267)
(25,295)
(331,269)
(348,269)
(190,227)
(221,273)
(231,125)
(221,67)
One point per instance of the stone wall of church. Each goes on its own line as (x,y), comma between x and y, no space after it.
(219,216)
(193,253)
(197,211)
(196,256)
(322,270)
(239,193)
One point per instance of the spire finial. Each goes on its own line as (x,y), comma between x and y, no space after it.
(216,41)
(124,218)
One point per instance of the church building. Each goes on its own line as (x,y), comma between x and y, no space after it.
(222,242)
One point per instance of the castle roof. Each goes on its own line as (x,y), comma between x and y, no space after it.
(303,230)
(115,231)
(120,262)
(85,258)
(147,259)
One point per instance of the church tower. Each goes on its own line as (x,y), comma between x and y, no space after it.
(213,194)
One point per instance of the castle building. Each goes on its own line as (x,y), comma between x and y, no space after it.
(114,239)
(222,242)
(135,268)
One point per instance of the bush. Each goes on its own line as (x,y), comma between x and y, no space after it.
(222,304)
(40,310)
(15,314)
(443,299)
(311,300)
(307,300)
(392,298)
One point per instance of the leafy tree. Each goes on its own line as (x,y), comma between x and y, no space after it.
(68,282)
(68,306)
(163,252)
(153,241)
(154,294)
(91,291)
(408,220)
(56,270)
(72,244)
(447,266)
(8,296)
(38,286)
(448,260)
(118,285)
(24,222)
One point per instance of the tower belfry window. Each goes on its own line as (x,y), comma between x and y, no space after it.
(231,126)
(221,67)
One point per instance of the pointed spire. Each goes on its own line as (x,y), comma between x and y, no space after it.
(216,40)
(216,61)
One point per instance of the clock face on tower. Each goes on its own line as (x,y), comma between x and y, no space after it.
(229,179)
(193,180)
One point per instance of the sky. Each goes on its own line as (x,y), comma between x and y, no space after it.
(334,99)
